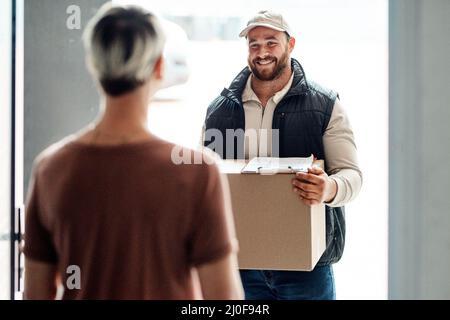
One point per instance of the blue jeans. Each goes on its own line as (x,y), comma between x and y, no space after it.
(289,285)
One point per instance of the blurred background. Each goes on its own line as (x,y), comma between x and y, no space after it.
(343,45)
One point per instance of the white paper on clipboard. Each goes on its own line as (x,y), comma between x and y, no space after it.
(270,165)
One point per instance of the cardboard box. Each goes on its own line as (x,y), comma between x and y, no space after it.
(275,230)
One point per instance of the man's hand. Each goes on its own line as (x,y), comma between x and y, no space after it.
(314,187)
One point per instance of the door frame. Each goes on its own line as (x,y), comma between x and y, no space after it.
(13,241)
(16,156)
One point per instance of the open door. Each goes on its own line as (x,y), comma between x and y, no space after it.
(52,99)
(11,150)
(6,150)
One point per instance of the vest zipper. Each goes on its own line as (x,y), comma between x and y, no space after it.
(281,129)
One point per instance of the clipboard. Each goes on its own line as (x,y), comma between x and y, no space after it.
(272,165)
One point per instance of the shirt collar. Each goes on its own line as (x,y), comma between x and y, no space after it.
(250,95)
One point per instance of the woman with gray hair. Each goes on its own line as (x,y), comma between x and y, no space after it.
(108,214)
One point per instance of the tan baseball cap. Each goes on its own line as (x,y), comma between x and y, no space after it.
(266,19)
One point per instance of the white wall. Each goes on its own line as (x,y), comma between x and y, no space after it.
(419,255)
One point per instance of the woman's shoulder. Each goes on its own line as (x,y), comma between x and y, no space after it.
(54,151)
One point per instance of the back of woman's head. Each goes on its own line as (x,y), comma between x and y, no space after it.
(123,45)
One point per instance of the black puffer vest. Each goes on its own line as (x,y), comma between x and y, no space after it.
(301,117)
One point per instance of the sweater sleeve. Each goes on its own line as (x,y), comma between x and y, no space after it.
(341,157)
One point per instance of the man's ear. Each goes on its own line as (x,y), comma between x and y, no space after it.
(159,69)
(291,44)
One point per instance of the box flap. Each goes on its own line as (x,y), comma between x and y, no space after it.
(231,166)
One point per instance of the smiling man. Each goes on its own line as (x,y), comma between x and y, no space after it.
(273,102)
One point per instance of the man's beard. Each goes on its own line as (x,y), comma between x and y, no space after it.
(280,65)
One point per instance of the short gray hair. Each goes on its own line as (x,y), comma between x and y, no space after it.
(123,44)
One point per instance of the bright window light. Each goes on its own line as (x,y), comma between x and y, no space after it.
(342,45)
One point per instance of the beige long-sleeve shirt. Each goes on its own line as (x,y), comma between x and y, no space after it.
(338,139)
